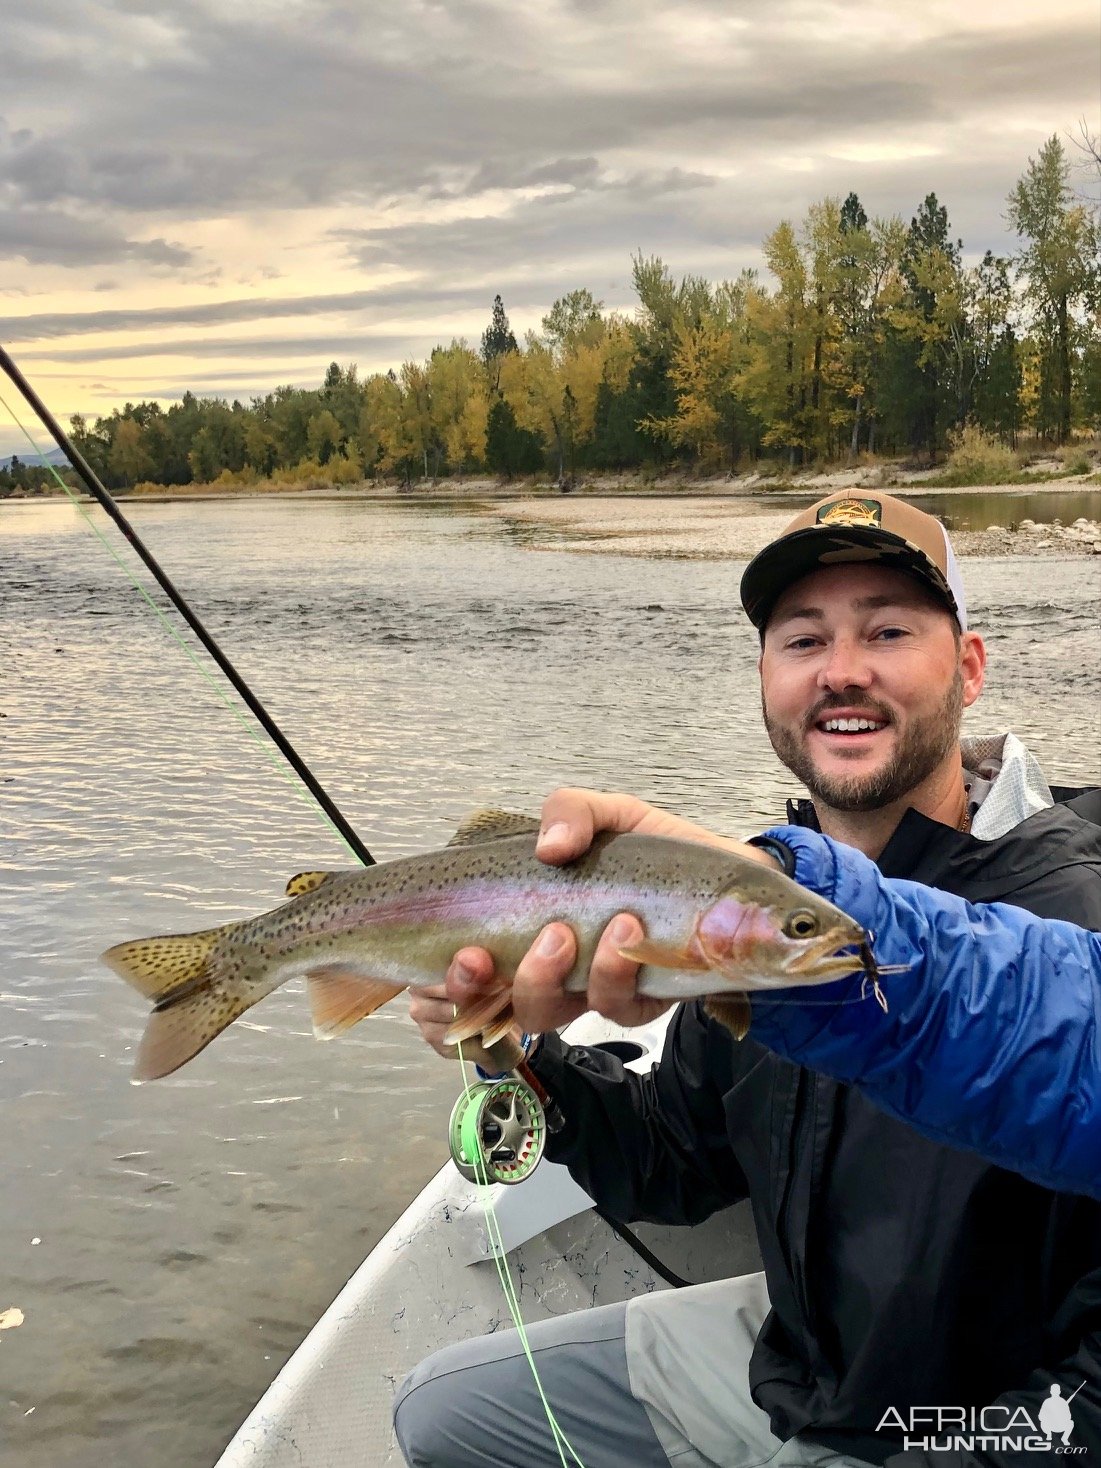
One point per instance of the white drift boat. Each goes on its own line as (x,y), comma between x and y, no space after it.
(432,1279)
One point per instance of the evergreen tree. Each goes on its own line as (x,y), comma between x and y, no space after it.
(501,444)
(1059,266)
(497,339)
(927,327)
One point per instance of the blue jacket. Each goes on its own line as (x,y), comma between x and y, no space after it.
(991,1041)
(901,1271)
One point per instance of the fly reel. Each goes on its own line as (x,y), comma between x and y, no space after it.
(498,1131)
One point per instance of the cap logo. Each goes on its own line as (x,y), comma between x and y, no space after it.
(850,512)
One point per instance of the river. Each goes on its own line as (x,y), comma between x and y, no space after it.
(169,1245)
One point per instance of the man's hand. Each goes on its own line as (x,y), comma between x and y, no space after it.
(569,821)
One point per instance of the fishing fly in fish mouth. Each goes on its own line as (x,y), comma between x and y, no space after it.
(716,924)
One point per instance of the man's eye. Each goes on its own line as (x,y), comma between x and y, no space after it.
(891,633)
(800,644)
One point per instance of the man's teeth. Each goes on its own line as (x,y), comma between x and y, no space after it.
(849,726)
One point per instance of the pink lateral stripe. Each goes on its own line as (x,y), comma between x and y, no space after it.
(482,896)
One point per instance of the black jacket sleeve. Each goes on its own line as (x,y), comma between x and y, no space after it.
(650,1147)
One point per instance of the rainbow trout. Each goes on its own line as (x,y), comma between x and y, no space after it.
(716,924)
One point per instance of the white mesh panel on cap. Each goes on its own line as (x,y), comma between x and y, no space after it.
(955,580)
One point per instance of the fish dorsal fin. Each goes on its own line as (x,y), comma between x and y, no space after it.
(307,882)
(491,825)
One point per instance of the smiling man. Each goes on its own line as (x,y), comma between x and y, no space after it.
(863,675)
(899,1275)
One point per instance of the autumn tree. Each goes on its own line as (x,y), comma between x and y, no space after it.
(459,404)
(323,436)
(128,460)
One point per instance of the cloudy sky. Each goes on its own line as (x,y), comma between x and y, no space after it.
(224,195)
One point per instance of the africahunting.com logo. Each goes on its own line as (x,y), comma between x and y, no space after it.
(994,1429)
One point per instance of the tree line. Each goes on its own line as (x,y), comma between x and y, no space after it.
(867,335)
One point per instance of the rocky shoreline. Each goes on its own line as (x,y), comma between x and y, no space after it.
(1031,538)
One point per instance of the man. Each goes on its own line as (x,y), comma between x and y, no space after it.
(899,1273)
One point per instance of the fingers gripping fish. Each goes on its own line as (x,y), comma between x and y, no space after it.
(716,924)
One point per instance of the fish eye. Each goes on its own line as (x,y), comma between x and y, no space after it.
(801,924)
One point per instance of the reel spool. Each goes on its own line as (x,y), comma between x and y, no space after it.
(498,1131)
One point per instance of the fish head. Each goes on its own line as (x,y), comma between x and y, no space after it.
(762,944)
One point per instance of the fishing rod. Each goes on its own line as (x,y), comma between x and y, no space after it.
(100,494)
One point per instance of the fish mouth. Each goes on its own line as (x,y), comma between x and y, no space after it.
(821,958)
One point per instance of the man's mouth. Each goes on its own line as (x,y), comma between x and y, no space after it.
(851,725)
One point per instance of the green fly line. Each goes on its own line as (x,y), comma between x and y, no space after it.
(496,1239)
(504,1274)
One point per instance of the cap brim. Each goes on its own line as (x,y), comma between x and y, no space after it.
(794,556)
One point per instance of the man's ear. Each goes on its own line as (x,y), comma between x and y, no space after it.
(972,666)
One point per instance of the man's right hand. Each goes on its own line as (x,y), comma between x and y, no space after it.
(570,819)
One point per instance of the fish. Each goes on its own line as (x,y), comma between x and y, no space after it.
(717,924)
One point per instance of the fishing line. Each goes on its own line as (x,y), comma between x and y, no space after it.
(504,1274)
(328,811)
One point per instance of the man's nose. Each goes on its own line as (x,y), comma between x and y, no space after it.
(846,666)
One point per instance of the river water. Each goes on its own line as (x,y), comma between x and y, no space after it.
(170,1244)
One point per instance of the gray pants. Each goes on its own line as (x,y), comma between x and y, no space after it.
(661,1382)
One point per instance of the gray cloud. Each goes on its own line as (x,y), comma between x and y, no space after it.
(214,109)
(371,304)
(54,237)
(565,137)
(367,345)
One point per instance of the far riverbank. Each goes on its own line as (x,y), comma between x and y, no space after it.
(709,520)
(717,528)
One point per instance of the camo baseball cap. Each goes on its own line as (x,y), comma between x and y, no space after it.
(855,527)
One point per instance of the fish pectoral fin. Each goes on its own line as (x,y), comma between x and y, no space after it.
(305,882)
(340,997)
(732,1010)
(663,955)
(484,1016)
(491,825)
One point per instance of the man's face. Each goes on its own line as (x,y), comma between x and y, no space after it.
(867,648)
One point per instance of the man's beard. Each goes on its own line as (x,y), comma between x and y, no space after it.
(920,749)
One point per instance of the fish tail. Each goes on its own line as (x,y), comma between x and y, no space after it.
(178,973)
(159,967)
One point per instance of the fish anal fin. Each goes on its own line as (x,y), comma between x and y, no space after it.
(732,1010)
(664,955)
(156,967)
(180,1030)
(340,997)
(473,1019)
(491,825)
(305,882)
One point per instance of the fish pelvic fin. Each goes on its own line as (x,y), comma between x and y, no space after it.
(491,825)
(484,1016)
(161,967)
(732,1010)
(340,997)
(305,882)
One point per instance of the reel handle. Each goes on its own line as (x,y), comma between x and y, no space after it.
(508,1054)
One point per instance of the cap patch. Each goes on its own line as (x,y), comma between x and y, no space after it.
(850,512)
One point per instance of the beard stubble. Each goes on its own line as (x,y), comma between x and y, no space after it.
(924,744)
